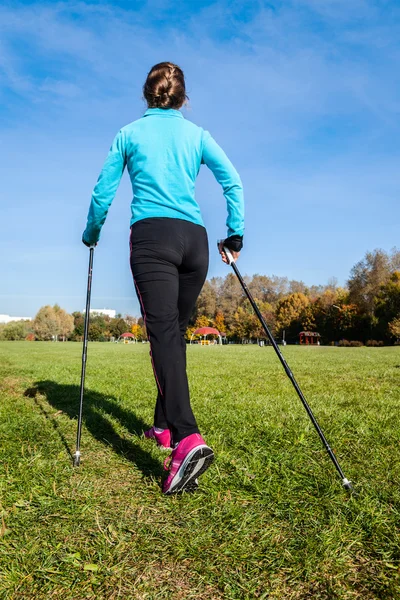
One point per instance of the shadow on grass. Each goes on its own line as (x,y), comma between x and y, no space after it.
(32,392)
(96,408)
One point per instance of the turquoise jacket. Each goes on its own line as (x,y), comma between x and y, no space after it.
(163,153)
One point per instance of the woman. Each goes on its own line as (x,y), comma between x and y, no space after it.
(169,249)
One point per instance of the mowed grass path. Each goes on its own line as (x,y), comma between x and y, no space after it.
(270,519)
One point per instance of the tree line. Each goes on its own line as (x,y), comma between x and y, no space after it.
(52,323)
(366,311)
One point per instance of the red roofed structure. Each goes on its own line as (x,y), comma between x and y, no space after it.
(125,337)
(308,337)
(205,331)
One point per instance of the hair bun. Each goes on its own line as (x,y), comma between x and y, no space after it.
(165,86)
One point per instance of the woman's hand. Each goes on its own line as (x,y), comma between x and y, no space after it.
(235,255)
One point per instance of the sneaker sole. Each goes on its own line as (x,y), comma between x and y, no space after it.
(186,480)
(191,486)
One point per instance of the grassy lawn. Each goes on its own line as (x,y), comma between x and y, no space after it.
(270,519)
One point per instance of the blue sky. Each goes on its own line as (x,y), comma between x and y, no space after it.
(303,95)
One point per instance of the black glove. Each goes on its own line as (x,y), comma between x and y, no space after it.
(234,243)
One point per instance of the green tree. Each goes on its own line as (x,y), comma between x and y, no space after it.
(96,331)
(387,306)
(16,330)
(366,279)
(118,326)
(98,328)
(79,325)
(345,322)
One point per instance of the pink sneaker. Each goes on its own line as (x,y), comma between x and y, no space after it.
(163,439)
(188,461)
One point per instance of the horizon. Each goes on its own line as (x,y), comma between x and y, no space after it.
(124,314)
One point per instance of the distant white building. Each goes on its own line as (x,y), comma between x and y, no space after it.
(7,318)
(103,311)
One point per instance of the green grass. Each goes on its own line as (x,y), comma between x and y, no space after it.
(270,519)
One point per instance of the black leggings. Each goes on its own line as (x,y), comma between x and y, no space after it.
(169,262)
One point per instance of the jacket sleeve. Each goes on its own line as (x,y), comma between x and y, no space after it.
(105,189)
(225,173)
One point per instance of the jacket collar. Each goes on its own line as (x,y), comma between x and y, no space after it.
(163,112)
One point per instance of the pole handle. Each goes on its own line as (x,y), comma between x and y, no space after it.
(227,252)
(229,255)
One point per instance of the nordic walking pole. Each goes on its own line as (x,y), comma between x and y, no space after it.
(77,455)
(345,482)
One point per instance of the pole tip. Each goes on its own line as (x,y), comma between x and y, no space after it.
(77,458)
(347,485)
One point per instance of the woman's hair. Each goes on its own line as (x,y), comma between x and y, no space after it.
(165,86)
